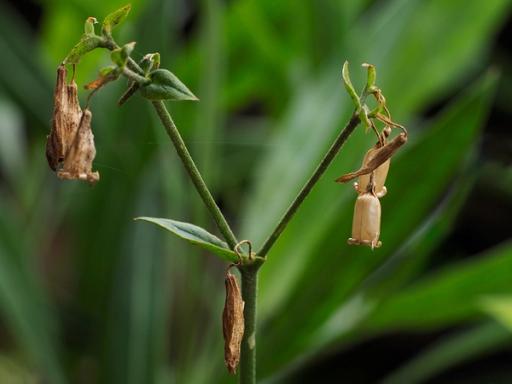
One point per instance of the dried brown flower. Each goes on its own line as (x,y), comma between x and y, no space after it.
(70,145)
(232,323)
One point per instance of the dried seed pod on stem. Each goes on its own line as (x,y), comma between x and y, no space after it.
(232,323)
(366,221)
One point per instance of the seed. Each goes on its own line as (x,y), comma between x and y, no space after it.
(232,323)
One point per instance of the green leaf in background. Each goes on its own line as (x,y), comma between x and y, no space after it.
(448,296)
(499,307)
(450,351)
(195,235)
(115,18)
(165,85)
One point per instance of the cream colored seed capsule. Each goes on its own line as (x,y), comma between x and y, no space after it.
(366,222)
(380,175)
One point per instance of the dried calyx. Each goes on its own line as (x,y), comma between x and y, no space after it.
(70,146)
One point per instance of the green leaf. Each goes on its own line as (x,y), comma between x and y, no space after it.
(120,56)
(195,235)
(349,87)
(114,19)
(86,44)
(448,296)
(499,307)
(451,351)
(165,85)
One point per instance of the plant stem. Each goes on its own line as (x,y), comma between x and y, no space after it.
(248,353)
(306,189)
(194,174)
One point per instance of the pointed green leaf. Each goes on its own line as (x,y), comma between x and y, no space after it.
(86,44)
(115,18)
(166,86)
(349,87)
(195,235)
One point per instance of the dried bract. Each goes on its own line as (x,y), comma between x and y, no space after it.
(380,175)
(380,156)
(366,222)
(232,323)
(78,160)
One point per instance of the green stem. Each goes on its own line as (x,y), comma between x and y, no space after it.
(248,353)
(306,189)
(194,174)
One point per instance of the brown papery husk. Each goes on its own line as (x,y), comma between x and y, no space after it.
(232,323)
(66,119)
(381,155)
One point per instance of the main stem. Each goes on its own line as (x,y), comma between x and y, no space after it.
(194,174)
(306,189)
(248,353)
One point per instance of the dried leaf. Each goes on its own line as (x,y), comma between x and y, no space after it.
(232,323)
(381,155)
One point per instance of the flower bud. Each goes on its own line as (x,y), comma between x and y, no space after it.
(366,222)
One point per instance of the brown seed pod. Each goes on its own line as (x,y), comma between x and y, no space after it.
(232,323)
(366,222)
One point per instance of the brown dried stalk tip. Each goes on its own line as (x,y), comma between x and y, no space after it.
(232,323)
(70,147)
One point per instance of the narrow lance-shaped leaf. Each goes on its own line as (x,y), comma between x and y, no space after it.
(114,19)
(165,85)
(87,43)
(195,235)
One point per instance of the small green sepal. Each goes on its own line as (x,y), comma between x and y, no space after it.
(164,85)
(114,19)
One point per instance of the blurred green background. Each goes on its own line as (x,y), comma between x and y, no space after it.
(89,296)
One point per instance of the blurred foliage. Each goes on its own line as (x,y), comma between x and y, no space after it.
(89,296)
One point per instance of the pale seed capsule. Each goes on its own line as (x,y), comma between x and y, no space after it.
(380,175)
(366,222)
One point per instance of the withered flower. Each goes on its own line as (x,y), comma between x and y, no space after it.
(232,323)
(70,144)
(78,160)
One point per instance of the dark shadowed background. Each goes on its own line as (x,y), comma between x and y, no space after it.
(89,296)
